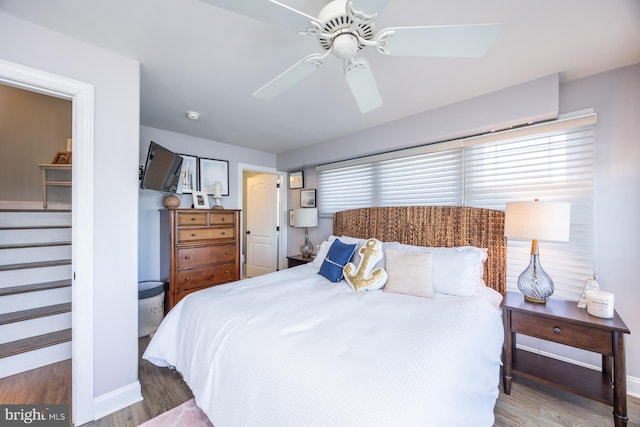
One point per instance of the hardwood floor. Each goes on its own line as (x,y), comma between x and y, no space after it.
(530,404)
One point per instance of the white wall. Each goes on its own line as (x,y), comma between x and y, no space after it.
(149,262)
(615,97)
(116,82)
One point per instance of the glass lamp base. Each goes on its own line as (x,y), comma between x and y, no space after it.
(534,283)
(306,248)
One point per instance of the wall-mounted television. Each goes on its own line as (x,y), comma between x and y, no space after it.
(162,169)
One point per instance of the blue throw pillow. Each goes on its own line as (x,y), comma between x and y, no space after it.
(338,256)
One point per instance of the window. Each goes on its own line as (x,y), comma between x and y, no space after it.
(551,161)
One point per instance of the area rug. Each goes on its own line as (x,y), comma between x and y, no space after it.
(185,415)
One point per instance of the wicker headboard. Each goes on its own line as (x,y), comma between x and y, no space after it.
(434,226)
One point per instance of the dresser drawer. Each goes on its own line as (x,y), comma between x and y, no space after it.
(221,218)
(205,276)
(192,257)
(192,218)
(560,331)
(190,234)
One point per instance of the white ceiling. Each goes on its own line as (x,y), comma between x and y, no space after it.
(195,56)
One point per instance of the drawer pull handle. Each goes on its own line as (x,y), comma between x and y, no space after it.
(226,272)
(227,252)
(186,279)
(222,219)
(187,257)
(557,330)
(193,234)
(222,233)
(211,277)
(193,218)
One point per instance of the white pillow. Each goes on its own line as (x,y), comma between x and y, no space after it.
(456,271)
(364,276)
(409,273)
(322,252)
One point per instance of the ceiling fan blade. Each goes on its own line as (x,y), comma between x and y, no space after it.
(269,11)
(363,85)
(447,41)
(292,75)
(369,6)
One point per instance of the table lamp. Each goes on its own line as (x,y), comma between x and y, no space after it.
(306,217)
(537,221)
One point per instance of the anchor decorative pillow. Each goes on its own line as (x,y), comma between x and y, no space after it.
(364,277)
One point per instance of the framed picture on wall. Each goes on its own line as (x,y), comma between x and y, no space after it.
(307,198)
(296,180)
(188,174)
(212,171)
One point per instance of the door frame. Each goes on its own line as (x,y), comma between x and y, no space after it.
(284,195)
(81,95)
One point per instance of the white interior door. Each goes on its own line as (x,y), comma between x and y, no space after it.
(262,224)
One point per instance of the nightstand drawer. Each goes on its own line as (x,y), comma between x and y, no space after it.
(191,257)
(560,331)
(189,234)
(205,276)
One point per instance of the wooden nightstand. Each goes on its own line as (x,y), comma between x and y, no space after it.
(295,260)
(563,322)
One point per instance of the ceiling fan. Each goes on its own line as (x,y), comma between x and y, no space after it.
(343,27)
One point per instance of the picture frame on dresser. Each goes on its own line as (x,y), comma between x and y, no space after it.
(62,158)
(200,200)
(212,170)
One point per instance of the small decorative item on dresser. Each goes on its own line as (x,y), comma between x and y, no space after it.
(537,221)
(590,285)
(600,304)
(217,195)
(200,200)
(62,157)
(171,201)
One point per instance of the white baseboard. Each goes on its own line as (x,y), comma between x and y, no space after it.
(117,399)
(633,383)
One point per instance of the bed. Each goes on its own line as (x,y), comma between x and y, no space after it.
(291,348)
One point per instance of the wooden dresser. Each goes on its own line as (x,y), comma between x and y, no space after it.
(203,249)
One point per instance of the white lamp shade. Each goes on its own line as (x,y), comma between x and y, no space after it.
(538,220)
(306,217)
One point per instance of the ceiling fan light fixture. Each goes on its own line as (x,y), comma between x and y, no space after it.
(345,46)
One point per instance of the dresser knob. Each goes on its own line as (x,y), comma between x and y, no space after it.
(222,233)
(193,234)
(186,279)
(222,219)
(227,252)
(226,272)
(193,218)
(187,257)
(557,330)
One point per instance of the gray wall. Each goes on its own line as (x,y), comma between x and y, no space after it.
(33,127)
(116,139)
(615,97)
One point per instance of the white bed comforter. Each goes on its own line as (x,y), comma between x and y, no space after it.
(292,349)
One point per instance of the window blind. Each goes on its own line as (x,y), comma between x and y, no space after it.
(552,161)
